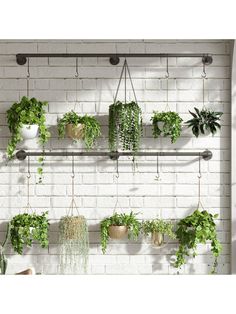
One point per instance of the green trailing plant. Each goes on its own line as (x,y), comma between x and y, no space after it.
(204,120)
(74,245)
(128,220)
(172,124)
(91,130)
(25,228)
(160,226)
(196,228)
(3,259)
(27,111)
(125,126)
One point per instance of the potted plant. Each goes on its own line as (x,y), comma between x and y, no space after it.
(78,127)
(196,228)
(158,228)
(204,121)
(25,228)
(118,226)
(26,120)
(3,259)
(125,126)
(167,123)
(74,244)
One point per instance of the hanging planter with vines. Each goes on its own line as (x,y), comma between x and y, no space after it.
(73,239)
(199,227)
(125,120)
(204,120)
(29,226)
(167,123)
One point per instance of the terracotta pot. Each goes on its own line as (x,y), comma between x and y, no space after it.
(118,232)
(29,131)
(75,132)
(157,238)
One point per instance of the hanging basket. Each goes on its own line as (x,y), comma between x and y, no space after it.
(118,232)
(72,227)
(75,131)
(157,239)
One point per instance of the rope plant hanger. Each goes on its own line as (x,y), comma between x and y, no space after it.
(167,123)
(204,121)
(29,226)
(73,238)
(125,118)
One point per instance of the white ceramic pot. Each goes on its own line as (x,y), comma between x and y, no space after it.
(29,131)
(160,125)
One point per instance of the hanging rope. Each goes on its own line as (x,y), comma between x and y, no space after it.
(125,70)
(28,207)
(28,77)
(158,171)
(204,77)
(73,205)
(167,84)
(76,82)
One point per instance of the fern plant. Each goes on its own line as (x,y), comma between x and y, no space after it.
(125,126)
(204,120)
(172,124)
(91,127)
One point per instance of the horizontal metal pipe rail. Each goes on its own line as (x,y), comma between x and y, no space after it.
(22,154)
(21,58)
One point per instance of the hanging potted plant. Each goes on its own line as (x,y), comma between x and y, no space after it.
(3,259)
(74,244)
(76,127)
(158,229)
(25,228)
(119,226)
(168,124)
(125,120)
(26,120)
(196,228)
(204,121)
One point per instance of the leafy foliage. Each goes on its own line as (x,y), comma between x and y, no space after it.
(27,111)
(125,126)
(128,220)
(194,229)
(171,125)
(24,228)
(158,225)
(204,120)
(91,131)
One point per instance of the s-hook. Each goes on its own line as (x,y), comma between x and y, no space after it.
(158,178)
(204,77)
(199,183)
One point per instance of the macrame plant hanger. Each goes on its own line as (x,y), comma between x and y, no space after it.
(73,207)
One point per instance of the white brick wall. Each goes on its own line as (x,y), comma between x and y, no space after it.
(173,197)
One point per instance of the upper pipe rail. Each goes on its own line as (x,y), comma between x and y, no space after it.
(21,58)
(21,154)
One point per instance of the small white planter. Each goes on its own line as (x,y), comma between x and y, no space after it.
(29,131)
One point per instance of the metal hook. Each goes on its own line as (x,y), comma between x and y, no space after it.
(73,166)
(204,70)
(28,77)
(167,68)
(199,166)
(28,165)
(76,68)
(158,172)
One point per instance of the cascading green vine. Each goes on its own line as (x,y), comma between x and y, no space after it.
(158,225)
(196,228)
(171,125)
(125,126)
(91,131)
(24,228)
(74,245)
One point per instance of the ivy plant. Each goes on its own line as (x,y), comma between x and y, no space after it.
(27,111)
(24,228)
(125,126)
(92,129)
(204,120)
(158,225)
(172,124)
(128,220)
(196,228)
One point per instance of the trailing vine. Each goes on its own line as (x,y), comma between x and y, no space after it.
(125,126)
(196,228)
(24,228)
(171,125)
